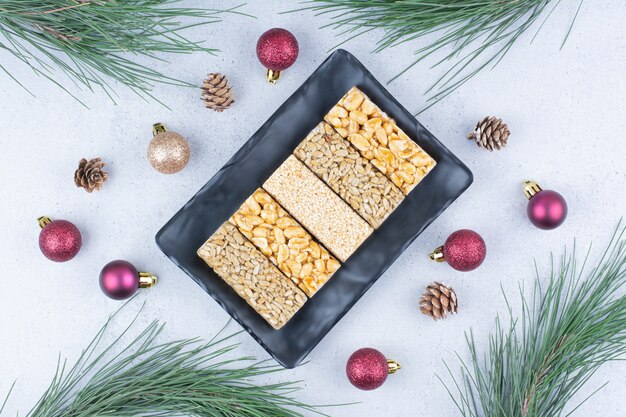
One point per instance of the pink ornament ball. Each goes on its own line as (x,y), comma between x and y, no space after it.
(277,49)
(367,369)
(59,240)
(464,250)
(119,280)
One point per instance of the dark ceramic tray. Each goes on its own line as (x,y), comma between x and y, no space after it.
(256,161)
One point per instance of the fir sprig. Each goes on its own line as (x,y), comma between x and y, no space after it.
(146,377)
(470,35)
(537,362)
(95,41)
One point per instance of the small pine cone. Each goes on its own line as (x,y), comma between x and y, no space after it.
(90,174)
(438,300)
(217,93)
(490,133)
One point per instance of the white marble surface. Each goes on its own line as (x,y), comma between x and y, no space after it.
(565,109)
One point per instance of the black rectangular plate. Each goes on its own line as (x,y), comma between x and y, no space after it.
(180,238)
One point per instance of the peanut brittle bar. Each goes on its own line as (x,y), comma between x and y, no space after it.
(242,266)
(380,140)
(285,242)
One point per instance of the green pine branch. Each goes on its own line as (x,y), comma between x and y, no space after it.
(146,377)
(538,361)
(469,35)
(94,42)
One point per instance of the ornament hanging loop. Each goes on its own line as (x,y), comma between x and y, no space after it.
(147,280)
(44,221)
(158,128)
(393,366)
(530,188)
(437,255)
(272,76)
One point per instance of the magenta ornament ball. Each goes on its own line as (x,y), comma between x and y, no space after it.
(464,250)
(119,280)
(60,240)
(367,369)
(547,209)
(277,49)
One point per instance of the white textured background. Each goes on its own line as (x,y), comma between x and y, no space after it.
(565,108)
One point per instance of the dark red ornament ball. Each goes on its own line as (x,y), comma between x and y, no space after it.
(60,240)
(547,209)
(367,369)
(464,250)
(119,280)
(277,49)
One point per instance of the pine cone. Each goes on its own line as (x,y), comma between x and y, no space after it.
(490,133)
(90,174)
(216,92)
(438,300)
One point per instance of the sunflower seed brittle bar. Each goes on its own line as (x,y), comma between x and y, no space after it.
(252,275)
(325,215)
(380,140)
(368,191)
(285,242)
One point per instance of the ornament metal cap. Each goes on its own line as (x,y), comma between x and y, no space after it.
(530,188)
(437,255)
(147,280)
(44,221)
(393,366)
(158,128)
(272,76)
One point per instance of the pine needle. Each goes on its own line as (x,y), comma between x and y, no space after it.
(94,42)
(471,35)
(568,328)
(183,378)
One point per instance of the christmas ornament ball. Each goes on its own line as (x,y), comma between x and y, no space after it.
(546,209)
(120,280)
(168,152)
(59,240)
(277,50)
(367,369)
(464,250)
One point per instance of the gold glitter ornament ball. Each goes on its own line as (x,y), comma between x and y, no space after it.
(168,152)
